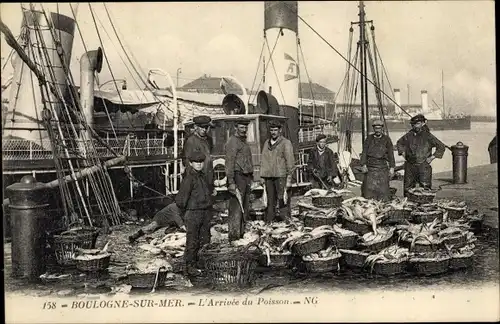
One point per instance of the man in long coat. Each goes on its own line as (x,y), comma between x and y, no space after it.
(377,160)
(416,147)
(322,166)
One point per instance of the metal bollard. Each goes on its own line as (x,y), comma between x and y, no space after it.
(29,223)
(459,153)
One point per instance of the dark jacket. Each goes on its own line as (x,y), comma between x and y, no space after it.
(238,157)
(325,163)
(277,161)
(194,192)
(378,152)
(418,146)
(196,143)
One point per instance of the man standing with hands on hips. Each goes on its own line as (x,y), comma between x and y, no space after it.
(416,147)
(239,173)
(276,168)
(377,160)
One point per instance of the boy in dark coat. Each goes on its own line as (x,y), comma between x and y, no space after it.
(322,165)
(195,198)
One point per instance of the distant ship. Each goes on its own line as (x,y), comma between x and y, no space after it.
(436,119)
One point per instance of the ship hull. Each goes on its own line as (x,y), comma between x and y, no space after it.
(463,123)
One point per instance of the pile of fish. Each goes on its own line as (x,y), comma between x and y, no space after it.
(363,211)
(149,266)
(172,244)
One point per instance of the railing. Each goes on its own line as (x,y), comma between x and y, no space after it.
(308,134)
(18,149)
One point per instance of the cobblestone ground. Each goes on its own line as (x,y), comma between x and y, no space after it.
(481,192)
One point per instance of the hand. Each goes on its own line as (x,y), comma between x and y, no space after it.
(336,180)
(329,179)
(430,159)
(364,169)
(232,188)
(214,193)
(288,183)
(315,172)
(183,228)
(391,172)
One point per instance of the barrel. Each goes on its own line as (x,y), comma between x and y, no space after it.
(28,203)
(459,153)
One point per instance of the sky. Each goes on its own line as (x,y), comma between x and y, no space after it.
(417,40)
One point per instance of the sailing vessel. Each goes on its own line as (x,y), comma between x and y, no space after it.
(49,130)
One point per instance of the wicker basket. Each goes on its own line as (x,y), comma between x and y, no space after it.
(421,199)
(93,265)
(313,221)
(327,264)
(429,267)
(455,213)
(462,261)
(66,243)
(420,247)
(390,268)
(356,227)
(458,240)
(277,260)
(344,242)
(232,268)
(311,245)
(397,217)
(379,246)
(327,202)
(418,217)
(147,280)
(353,258)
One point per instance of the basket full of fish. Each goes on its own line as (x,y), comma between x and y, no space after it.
(426,213)
(421,195)
(454,209)
(397,211)
(326,198)
(322,261)
(361,215)
(391,261)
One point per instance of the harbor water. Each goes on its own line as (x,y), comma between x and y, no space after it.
(477,138)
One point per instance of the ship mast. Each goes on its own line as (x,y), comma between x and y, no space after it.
(364,85)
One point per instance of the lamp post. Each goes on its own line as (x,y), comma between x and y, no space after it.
(179,71)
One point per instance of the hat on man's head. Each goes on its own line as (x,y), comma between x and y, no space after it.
(203,120)
(377,122)
(196,156)
(320,137)
(417,118)
(241,121)
(274,124)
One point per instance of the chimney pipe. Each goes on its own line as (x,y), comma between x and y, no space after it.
(425,101)
(397,99)
(90,62)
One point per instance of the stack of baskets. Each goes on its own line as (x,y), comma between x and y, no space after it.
(65,244)
(230,267)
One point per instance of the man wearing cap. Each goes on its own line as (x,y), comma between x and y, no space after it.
(200,142)
(321,165)
(416,148)
(239,173)
(276,167)
(377,160)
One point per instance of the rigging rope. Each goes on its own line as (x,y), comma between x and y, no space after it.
(340,54)
(274,68)
(308,78)
(257,70)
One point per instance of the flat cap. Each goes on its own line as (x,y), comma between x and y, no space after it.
(320,137)
(417,118)
(377,122)
(241,121)
(274,124)
(202,120)
(196,156)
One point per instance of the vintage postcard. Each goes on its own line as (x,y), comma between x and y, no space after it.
(265,161)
